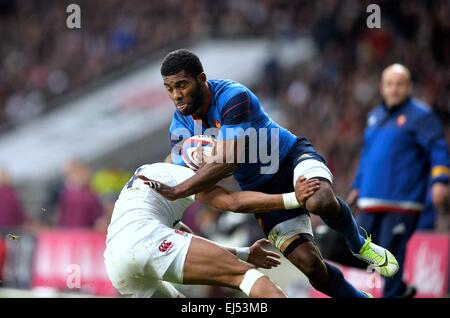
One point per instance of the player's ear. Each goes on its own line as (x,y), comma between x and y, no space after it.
(202,77)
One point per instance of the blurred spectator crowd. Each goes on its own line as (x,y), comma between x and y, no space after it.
(41,59)
(325,99)
(80,198)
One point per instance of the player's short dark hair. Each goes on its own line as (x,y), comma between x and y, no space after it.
(181,60)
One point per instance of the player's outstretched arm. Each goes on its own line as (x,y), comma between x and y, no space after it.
(256,202)
(248,201)
(242,202)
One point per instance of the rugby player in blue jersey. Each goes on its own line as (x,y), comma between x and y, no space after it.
(231,108)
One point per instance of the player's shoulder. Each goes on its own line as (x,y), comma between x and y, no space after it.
(419,107)
(224,89)
(151,167)
(419,112)
(162,167)
(378,111)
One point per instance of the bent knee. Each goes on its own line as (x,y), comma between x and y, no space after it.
(314,268)
(309,261)
(323,201)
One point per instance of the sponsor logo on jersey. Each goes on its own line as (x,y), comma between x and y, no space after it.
(165,246)
(217,124)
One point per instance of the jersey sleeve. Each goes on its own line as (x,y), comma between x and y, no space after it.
(236,114)
(180,175)
(430,136)
(179,130)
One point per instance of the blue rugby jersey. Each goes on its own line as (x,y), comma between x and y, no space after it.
(234,109)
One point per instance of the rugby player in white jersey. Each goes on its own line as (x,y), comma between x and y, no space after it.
(145,253)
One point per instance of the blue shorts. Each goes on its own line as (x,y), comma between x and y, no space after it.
(282,182)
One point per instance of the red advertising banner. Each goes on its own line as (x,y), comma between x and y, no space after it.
(71,260)
(2,257)
(427,264)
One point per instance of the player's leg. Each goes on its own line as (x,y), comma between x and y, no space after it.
(166,290)
(295,240)
(337,214)
(209,264)
(126,275)
(307,162)
(395,231)
(323,276)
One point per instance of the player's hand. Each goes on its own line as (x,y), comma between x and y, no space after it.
(201,157)
(166,191)
(305,188)
(261,257)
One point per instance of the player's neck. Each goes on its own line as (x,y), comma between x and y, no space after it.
(206,93)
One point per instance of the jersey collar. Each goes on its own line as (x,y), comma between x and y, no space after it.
(393,109)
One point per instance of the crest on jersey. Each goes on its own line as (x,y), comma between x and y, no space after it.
(217,123)
(401,120)
(165,246)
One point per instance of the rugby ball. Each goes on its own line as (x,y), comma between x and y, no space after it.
(190,153)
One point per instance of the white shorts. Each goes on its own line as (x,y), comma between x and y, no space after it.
(287,229)
(138,270)
(312,168)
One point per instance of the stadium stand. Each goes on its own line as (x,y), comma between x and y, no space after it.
(323,94)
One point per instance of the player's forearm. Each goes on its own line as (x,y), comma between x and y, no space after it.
(241,252)
(256,202)
(247,201)
(205,178)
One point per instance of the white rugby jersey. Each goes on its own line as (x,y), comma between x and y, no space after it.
(138,203)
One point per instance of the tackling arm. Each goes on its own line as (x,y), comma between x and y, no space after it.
(243,202)
(257,202)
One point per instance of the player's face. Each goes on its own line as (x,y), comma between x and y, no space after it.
(395,87)
(184,91)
